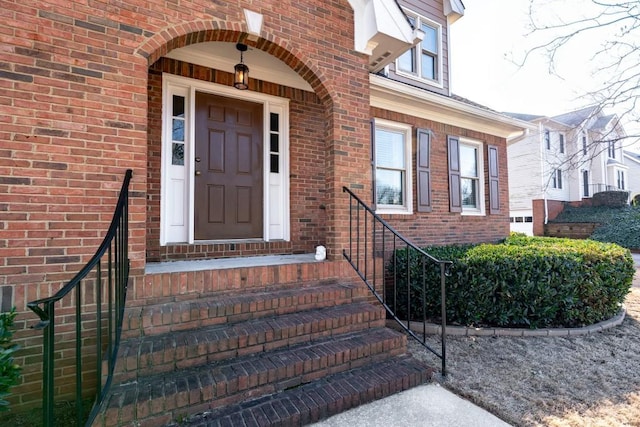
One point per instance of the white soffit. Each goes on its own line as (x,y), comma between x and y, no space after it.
(382,31)
(223,56)
(453,9)
(394,96)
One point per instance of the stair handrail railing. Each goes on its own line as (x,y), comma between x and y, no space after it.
(113,282)
(362,253)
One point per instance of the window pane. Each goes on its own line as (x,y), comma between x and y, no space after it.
(468,161)
(178,106)
(274,122)
(389,149)
(406,61)
(177,157)
(177,133)
(469,189)
(428,66)
(274,143)
(274,163)
(389,187)
(430,41)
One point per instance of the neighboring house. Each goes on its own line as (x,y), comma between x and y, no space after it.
(632,161)
(90,92)
(565,158)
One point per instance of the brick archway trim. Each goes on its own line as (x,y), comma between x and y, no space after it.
(193,32)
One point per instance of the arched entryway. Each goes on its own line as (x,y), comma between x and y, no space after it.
(230,172)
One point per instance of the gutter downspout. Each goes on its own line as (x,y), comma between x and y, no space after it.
(543,157)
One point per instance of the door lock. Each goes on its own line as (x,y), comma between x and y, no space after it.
(198,173)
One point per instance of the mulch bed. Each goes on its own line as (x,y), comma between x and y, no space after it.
(589,380)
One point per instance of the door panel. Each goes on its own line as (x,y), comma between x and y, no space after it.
(229,174)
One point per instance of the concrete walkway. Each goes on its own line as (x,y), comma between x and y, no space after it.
(429,405)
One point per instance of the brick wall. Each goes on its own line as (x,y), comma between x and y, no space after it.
(74,105)
(553,209)
(571,230)
(441,226)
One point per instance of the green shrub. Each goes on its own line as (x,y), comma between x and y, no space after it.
(523,282)
(9,371)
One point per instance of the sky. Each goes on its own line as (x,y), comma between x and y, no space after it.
(493,35)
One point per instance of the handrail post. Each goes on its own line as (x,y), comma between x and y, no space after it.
(116,240)
(47,366)
(443,307)
(395,268)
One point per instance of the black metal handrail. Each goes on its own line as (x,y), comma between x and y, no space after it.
(373,241)
(102,279)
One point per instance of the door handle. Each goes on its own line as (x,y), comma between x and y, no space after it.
(198,173)
(198,159)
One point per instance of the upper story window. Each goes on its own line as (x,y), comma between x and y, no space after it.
(423,61)
(620,180)
(612,149)
(547,139)
(584,145)
(561,143)
(556,179)
(393,167)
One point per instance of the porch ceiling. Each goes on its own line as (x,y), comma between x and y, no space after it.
(223,56)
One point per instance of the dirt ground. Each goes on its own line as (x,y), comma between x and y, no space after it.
(591,380)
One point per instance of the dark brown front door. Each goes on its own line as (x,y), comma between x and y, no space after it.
(228,181)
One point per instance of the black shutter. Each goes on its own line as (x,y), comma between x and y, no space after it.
(374,193)
(423,170)
(455,197)
(494,185)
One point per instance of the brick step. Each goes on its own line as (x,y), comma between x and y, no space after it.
(149,355)
(233,308)
(161,398)
(320,399)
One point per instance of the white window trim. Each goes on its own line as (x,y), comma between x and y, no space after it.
(406,129)
(439,82)
(480,211)
(275,186)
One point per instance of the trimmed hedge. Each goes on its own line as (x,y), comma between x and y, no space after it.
(530,282)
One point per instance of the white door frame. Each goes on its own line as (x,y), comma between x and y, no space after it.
(177,207)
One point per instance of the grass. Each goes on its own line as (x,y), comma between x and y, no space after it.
(591,380)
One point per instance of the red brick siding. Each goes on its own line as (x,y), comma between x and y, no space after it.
(74,106)
(553,209)
(441,226)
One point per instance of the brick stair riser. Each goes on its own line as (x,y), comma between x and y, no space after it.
(156,288)
(315,401)
(240,381)
(184,315)
(134,362)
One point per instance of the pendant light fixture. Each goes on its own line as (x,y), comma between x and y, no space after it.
(241,71)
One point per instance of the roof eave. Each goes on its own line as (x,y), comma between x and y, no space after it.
(391,95)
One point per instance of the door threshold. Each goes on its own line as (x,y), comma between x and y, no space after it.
(225,241)
(225,263)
